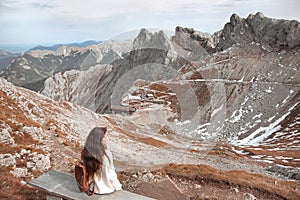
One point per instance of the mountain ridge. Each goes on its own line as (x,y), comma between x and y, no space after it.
(6,58)
(73,44)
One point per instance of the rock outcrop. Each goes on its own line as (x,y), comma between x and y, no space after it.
(274,33)
(192,44)
(148,40)
(76,86)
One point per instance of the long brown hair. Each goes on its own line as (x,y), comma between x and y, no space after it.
(93,151)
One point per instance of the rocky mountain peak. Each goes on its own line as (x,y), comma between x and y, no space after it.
(235,19)
(192,44)
(274,33)
(157,40)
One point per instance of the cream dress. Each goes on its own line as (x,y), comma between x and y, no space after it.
(108,182)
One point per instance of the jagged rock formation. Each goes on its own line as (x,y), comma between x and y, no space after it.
(242,95)
(148,40)
(192,44)
(76,86)
(258,28)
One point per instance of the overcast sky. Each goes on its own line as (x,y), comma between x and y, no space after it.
(32,22)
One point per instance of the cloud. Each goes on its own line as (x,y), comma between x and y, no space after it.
(41,5)
(97,9)
(6,5)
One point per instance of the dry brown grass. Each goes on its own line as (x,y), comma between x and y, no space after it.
(153,142)
(258,184)
(12,188)
(9,109)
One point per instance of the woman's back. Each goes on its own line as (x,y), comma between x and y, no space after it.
(99,162)
(107,181)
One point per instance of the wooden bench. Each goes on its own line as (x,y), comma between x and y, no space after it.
(59,185)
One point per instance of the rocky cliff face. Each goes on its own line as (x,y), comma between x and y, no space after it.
(148,40)
(192,44)
(76,86)
(274,33)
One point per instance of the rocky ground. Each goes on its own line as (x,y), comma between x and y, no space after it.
(38,134)
(205,182)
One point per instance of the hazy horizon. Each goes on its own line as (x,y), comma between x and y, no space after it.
(28,23)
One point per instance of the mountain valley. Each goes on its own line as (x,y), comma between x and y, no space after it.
(195,115)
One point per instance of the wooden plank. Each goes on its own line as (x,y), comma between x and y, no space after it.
(63,185)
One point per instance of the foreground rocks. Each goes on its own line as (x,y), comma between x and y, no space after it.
(205,182)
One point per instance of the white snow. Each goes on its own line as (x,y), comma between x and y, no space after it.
(257,116)
(236,115)
(26,67)
(130,97)
(239,151)
(255,138)
(269,90)
(217,110)
(285,100)
(271,118)
(267,161)
(257,156)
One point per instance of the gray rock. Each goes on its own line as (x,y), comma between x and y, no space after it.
(287,172)
(248,196)
(6,138)
(192,44)
(277,33)
(7,160)
(38,162)
(20,172)
(146,39)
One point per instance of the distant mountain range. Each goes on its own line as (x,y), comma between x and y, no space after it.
(57,46)
(6,58)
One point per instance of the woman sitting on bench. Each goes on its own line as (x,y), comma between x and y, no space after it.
(99,163)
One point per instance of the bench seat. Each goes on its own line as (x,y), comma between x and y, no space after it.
(59,185)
